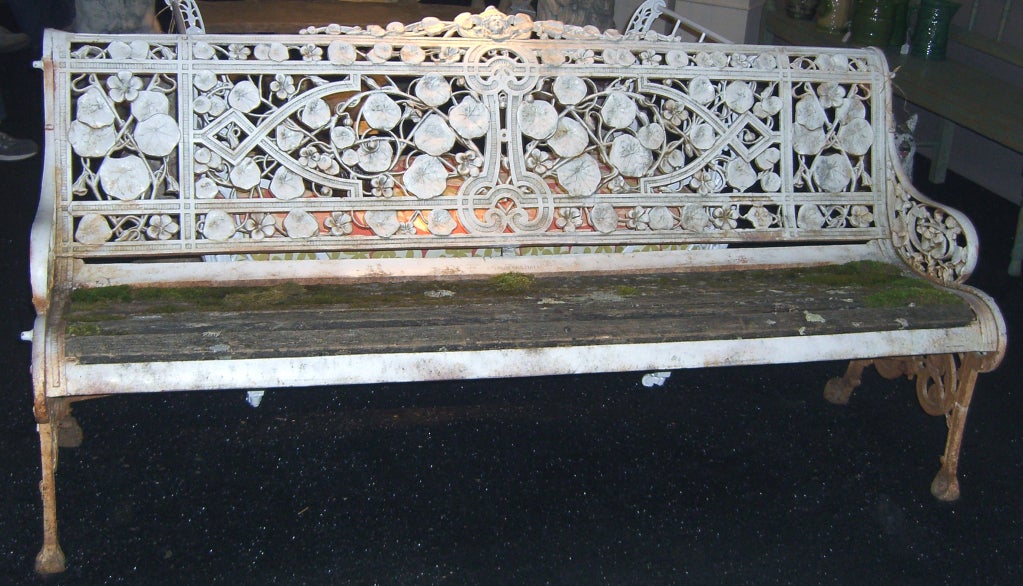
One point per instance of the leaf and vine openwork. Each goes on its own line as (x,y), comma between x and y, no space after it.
(930,238)
(452,134)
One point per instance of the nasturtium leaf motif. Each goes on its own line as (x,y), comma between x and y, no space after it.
(246,174)
(93,229)
(580,176)
(739,96)
(203,50)
(851,109)
(676,159)
(619,56)
(660,218)
(676,58)
(760,217)
(740,174)
(124,178)
(702,136)
(412,54)
(604,218)
(139,50)
(350,157)
(218,225)
(434,136)
(538,119)
(652,136)
(278,52)
(315,114)
(629,156)
(702,89)
(808,142)
(340,53)
(440,222)
(810,218)
(381,112)
(570,139)
(770,182)
(767,159)
(433,90)
(288,139)
(809,114)
(380,53)
(426,177)
(832,173)
(157,135)
(204,80)
(619,110)
(118,50)
(300,224)
(149,103)
(767,107)
(286,184)
(856,137)
(383,223)
(470,118)
(569,89)
(342,136)
(244,96)
(206,188)
(766,61)
(94,109)
(375,155)
(552,56)
(694,218)
(87,141)
(432,25)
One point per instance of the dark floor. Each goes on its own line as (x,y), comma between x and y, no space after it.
(723,476)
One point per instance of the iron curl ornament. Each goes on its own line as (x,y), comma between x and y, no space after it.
(929,237)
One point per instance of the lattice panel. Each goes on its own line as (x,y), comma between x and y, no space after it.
(472,133)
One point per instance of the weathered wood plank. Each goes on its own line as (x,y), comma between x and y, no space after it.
(481,315)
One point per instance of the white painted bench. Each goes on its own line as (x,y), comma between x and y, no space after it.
(488,197)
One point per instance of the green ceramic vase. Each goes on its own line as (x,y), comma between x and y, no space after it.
(930,36)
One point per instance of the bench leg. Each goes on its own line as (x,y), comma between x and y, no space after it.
(50,559)
(944,386)
(939,165)
(1016,258)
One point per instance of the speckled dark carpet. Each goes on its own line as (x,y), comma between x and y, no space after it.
(722,476)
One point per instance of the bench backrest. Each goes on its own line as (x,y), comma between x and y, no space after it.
(472,137)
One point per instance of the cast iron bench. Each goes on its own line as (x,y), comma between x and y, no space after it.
(488,197)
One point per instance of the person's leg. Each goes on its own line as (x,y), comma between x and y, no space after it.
(11,41)
(14,149)
(35,15)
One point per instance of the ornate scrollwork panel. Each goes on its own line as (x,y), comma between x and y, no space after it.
(929,237)
(938,377)
(569,134)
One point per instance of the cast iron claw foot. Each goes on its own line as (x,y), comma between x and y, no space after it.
(838,390)
(50,560)
(945,486)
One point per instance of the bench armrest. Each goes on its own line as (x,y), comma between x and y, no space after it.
(42,235)
(937,241)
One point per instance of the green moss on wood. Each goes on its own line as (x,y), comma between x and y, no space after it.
(83,329)
(876,285)
(512,282)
